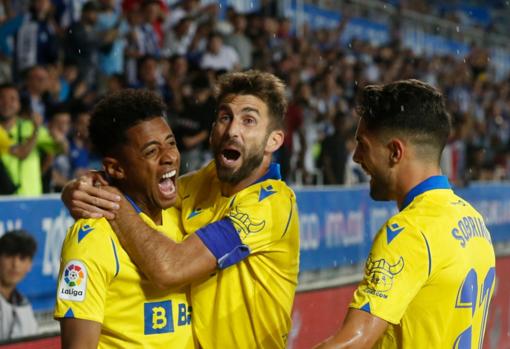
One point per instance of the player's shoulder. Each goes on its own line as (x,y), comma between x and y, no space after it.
(193,181)
(401,227)
(88,232)
(204,173)
(268,191)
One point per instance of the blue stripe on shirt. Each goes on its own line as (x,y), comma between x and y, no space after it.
(222,239)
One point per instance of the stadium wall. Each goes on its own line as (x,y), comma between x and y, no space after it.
(337,227)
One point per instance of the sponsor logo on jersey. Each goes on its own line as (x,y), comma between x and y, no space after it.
(73,281)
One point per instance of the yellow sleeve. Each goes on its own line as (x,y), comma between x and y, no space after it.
(262,216)
(88,263)
(5,141)
(396,269)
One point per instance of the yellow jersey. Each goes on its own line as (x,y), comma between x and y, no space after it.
(99,282)
(247,303)
(430,273)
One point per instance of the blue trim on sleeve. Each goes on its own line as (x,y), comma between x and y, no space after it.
(272,173)
(117,264)
(69,314)
(222,239)
(135,206)
(366,307)
(434,182)
(428,251)
(288,220)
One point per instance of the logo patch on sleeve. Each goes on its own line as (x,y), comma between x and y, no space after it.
(73,282)
(381,275)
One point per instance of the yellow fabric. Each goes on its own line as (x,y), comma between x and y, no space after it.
(430,274)
(247,305)
(5,141)
(27,172)
(133,313)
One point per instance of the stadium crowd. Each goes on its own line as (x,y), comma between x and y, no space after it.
(58,57)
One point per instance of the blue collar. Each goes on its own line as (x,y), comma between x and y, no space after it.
(272,173)
(135,206)
(434,182)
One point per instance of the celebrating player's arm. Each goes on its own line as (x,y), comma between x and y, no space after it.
(216,245)
(360,330)
(169,264)
(395,271)
(79,334)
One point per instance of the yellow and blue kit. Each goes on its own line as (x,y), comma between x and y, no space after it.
(99,282)
(254,236)
(430,273)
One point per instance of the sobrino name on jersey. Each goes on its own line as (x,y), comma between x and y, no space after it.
(468,228)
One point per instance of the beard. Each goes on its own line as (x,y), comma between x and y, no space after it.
(250,162)
(379,188)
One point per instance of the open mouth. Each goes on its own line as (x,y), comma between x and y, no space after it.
(167,183)
(230,156)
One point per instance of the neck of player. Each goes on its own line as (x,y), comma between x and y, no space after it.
(151,209)
(410,176)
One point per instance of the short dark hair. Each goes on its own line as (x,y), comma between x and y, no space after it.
(8,86)
(265,86)
(410,108)
(118,112)
(18,242)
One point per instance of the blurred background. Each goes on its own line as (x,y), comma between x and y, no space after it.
(59,57)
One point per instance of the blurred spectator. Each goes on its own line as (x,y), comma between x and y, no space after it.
(25,171)
(150,77)
(112,28)
(240,42)
(142,39)
(68,12)
(17,250)
(178,39)
(334,153)
(81,157)
(35,96)
(36,38)
(192,128)
(219,56)
(59,126)
(82,42)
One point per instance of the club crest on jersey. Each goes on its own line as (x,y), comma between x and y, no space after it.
(73,281)
(380,275)
(244,224)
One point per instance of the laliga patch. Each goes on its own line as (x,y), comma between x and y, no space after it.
(73,282)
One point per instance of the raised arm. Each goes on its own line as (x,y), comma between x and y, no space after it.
(79,334)
(360,330)
(165,262)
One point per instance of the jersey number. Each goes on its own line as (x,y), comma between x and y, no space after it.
(467,298)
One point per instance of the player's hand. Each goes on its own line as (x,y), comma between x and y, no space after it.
(86,197)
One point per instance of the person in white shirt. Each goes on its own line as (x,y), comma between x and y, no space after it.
(17,249)
(219,56)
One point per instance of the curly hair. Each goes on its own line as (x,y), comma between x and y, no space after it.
(117,112)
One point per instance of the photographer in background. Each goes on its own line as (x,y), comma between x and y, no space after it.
(17,250)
